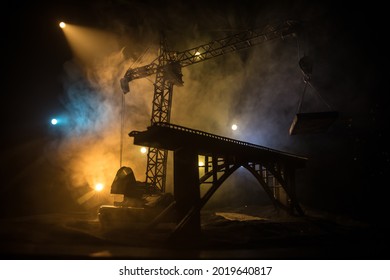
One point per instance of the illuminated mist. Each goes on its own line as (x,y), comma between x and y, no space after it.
(90,144)
(258,89)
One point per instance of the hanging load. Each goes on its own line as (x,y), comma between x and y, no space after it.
(311,122)
(315,122)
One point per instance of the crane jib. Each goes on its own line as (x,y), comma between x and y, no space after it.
(213,49)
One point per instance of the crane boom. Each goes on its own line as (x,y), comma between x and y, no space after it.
(167,68)
(234,43)
(213,49)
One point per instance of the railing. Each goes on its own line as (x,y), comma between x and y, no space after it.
(221,138)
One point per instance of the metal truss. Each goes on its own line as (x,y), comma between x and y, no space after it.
(167,68)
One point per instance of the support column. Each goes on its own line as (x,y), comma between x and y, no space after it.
(186,188)
(294,205)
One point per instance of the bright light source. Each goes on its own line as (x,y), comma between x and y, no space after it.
(54,121)
(197,53)
(201,163)
(234,127)
(99,187)
(62,24)
(144,150)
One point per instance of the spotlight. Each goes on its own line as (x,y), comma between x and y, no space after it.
(99,187)
(58,120)
(62,24)
(143,150)
(234,127)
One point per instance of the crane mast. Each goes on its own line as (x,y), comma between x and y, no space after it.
(167,68)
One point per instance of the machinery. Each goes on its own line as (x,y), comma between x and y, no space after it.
(149,197)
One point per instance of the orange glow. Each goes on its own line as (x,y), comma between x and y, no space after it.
(89,44)
(99,187)
(85,197)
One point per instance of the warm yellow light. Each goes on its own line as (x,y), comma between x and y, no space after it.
(201,163)
(99,187)
(62,24)
(143,150)
(89,44)
(197,53)
(234,127)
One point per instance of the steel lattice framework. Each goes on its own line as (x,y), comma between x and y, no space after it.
(167,68)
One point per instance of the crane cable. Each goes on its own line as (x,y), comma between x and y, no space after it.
(122,128)
(123,107)
(306,78)
(304,89)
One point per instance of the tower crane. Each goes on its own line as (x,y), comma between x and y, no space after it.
(167,68)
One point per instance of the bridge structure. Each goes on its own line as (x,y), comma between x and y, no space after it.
(203,161)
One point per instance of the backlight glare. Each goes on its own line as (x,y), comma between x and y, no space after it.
(99,187)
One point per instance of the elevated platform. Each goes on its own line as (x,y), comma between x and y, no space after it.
(221,156)
(173,137)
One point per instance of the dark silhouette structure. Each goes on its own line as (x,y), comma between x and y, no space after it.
(206,160)
(167,69)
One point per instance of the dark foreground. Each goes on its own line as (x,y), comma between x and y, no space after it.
(228,234)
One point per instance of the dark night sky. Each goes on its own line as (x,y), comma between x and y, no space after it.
(348,41)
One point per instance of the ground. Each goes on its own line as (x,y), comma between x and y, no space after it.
(240,233)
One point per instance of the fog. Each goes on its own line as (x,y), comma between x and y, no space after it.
(258,89)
